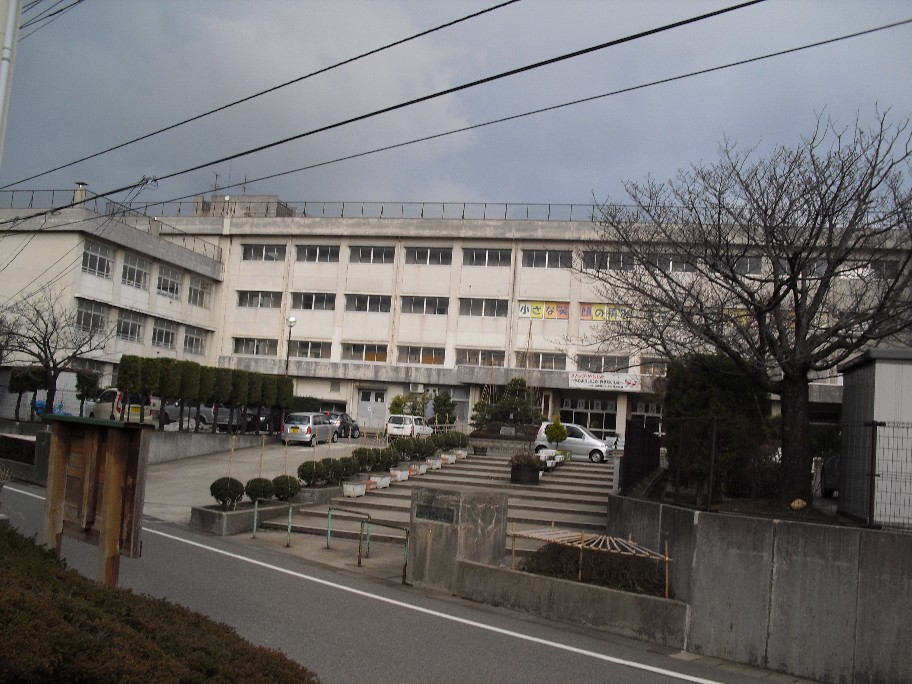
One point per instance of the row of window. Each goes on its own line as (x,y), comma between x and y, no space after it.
(434,356)
(411,304)
(131,326)
(98,260)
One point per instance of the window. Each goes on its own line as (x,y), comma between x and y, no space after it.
(97,259)
(256,346)
(472,256)
(195,340)
(547,258)
(480,357)
(198,293)
(319,301)
(169,282)
(607,261)
(163,333)
(372,255)
(315,253)
(603,364)
(130,325)
(136,271)
(650,365)
(310,350)
(263,252)
(381,303)
(425,305)
(749,265)
(541,360)
(436,256)
(364,352)
(91,317)
(671,263)
(258,299)
(496,308)
(97,367)
(429,356)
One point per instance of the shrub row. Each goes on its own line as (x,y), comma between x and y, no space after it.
(332,471)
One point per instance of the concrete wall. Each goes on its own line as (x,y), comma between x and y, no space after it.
(174,446)
(652,619)
(824,602)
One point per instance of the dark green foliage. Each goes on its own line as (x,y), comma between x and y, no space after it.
(481,414)
(129,373)
(349,467)
(305,404)
(366,458)
(227,491)
(150,374)
(622,572)
(389,458)
(444,409)
(514,407)
(59,626)
(426,447)
(221,389)
(527,459)
(286,487)
(190,372)
(170,380)
(312,473)
(239,384)
(206,392)
(86,387)
(555,431)
(407,447)
(268,390)
(259,489)
(284,391)
(255,389)
(699,388)
(333,470)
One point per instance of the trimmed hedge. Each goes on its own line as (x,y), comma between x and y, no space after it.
(259,489)
(286,487)
(227,491)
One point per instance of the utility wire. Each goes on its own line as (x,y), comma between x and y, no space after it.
(550,108)
(47,19)
(264,92)
(441,93)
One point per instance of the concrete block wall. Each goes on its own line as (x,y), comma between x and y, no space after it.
(822,602)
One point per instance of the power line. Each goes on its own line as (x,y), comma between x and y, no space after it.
(551,108)
(263,92)
(47,18)
(441,93)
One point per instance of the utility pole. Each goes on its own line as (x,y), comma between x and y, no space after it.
(9,24)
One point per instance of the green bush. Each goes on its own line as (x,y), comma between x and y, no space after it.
(426,447)
(259,489)
(333,470)
(286,487)
(312,473)
(389,458)
(227,491)
(407,447)
(349,467)
(367,458)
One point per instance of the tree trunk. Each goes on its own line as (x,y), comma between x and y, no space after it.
(797,480)
(51,392)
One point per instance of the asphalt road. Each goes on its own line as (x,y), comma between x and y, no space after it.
(348,628)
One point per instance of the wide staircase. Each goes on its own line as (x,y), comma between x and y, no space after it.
(573,496)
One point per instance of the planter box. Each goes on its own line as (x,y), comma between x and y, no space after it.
(545,454)
(214,520)
(434,463)
(381,481)
(461,453)
(524,475)
(448,458)
(353,489)
(399,475)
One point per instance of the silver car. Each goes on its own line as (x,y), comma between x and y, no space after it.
(309,428)
(579,442)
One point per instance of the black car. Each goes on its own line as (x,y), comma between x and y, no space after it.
(344,424)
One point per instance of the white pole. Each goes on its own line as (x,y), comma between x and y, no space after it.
(10,9)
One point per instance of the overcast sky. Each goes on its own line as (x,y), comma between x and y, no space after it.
(106,72)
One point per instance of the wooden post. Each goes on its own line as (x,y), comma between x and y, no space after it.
(112,499)
(56,487)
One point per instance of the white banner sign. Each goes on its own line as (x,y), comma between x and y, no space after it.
(619,382)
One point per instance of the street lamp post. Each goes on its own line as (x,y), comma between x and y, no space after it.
(291,320)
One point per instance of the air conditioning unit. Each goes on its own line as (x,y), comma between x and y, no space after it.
(416,387)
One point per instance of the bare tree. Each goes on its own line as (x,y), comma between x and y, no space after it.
(788,264)
(52,333)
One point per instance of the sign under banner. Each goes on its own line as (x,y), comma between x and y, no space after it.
(619,382)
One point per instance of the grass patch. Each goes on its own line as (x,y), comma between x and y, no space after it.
(56,625)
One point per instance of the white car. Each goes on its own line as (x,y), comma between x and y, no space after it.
(406,426)
(111,405)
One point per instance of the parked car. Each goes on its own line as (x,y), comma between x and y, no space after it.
(309,428)
(345,425)
(579,442)
(111,405)
(406,426)
(254,422)
(172,413)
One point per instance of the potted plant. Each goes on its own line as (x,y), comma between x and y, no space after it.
(525,468)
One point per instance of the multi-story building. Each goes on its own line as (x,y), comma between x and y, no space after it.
(356,302)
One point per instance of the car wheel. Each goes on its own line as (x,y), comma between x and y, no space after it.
(539,448)
(356,434)
(596,456)
(335,437)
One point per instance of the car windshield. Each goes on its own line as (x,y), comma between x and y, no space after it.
(297,419)
(396,420)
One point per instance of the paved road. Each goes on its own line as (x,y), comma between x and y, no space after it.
(349,628)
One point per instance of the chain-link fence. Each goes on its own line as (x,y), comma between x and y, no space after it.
(883,449)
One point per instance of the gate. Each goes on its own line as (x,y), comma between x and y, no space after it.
(641,451)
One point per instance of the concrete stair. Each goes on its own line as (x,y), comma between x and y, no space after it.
(573,496)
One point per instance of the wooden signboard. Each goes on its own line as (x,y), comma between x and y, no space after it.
(95,489)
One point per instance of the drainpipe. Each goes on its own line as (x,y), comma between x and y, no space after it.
(10,36)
